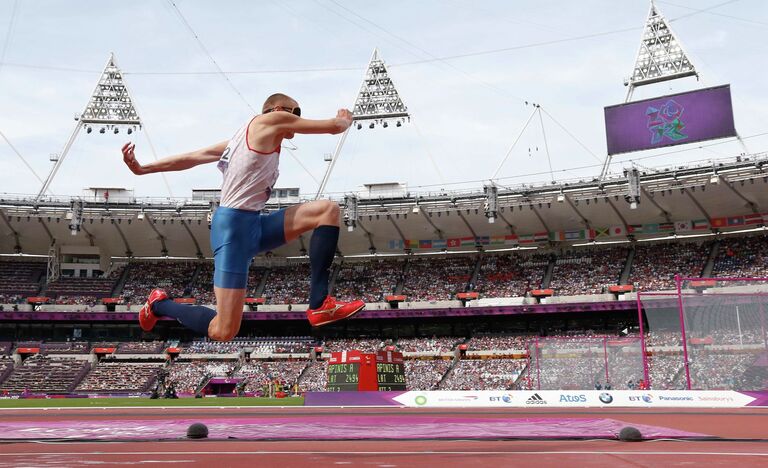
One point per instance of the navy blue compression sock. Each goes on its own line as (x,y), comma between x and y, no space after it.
(194,317)
(322,248)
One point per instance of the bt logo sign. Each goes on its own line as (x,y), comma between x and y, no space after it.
(644,398)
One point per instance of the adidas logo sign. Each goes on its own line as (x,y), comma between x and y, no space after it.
(535,399)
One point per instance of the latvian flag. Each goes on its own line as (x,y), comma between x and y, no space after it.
(753,219)
(666,227)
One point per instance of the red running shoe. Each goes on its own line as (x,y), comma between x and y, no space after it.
(332,311)
(147,318)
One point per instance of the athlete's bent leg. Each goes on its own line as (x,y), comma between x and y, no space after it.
(323,217)
(229,308)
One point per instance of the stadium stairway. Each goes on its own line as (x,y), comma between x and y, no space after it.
(625,272)
(401,278)
(193,281)
(447,372)
(117,290)
(547,280)
(8,370)
(259,291)
(334,274)
(79,377)
(475,273)
(710,265)
(300,378)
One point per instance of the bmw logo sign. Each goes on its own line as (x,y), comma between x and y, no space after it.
(606,398)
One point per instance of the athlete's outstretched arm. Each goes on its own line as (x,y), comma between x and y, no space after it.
(289,123)
(178,162)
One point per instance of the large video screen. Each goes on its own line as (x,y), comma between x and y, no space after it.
(675,119)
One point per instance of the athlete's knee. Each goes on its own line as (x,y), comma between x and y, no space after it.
(329,209)
(222,331)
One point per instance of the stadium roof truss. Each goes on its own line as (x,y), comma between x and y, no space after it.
(145,227)
(378,99)
(377,103)
(110,106)
(661,56)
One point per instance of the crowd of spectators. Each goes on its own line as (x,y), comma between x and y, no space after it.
(140,347)
(260,375)
(485,374)
(369,281)
(39,374)
(187,376)
(435,344)
(76,290)
(213,347)
(143,277)
(719,370)
(499,342)
(425,374)
(359,344)
(120,377)
(742,257)
(510,275)
(64,347)
(21,279)
(438,278)
(655,265)
(288,284)
(315,377)
(588,271)
(665,370)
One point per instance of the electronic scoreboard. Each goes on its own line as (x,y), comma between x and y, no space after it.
(351,371)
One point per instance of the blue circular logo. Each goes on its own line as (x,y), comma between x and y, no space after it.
(606,398)
(647,398)
(507,398)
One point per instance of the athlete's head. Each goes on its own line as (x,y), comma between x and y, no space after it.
(281,102)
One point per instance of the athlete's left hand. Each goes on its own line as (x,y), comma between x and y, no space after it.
(129,157)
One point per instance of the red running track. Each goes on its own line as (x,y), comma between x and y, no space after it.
(740,423)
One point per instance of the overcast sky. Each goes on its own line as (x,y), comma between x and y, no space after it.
(466,111)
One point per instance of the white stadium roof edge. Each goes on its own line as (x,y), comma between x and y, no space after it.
(722,195)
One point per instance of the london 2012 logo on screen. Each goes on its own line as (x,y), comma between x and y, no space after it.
(666,122)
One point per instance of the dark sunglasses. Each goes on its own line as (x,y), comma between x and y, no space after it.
(293,110)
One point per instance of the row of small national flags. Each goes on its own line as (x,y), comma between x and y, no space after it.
(583,234)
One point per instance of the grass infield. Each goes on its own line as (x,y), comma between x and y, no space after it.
(137,402)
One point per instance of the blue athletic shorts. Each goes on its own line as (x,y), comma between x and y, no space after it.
(239,235)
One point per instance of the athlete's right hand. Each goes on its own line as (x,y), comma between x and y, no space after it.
(345,115)
(130,159)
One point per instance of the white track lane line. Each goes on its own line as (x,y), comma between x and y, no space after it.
(426,452)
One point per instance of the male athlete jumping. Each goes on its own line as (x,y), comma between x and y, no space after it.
(239,231)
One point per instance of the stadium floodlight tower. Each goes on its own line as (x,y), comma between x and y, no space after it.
(378,104)
(109,109)
(661,57)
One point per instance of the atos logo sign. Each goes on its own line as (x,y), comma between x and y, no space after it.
(581,398)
